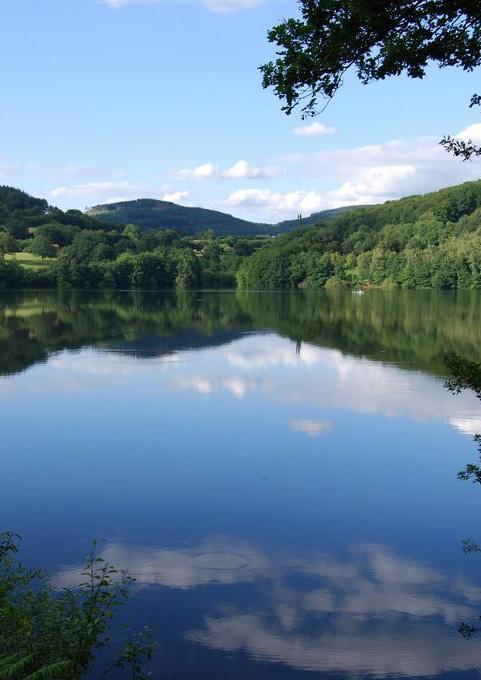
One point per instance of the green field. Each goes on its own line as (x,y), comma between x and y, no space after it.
(29,260)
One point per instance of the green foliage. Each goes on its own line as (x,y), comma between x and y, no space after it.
(431,241)
(151,214)
(42,246)
(187,273)
(46,634)
(133,232)
(375,39)
(151,270)
(20,213)
(412,329)
(8,244)
(59,234)
(267,269)
(466,375)
(11,275)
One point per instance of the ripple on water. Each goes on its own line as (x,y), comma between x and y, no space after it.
(220,560)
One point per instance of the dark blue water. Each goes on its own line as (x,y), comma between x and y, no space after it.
(277,472)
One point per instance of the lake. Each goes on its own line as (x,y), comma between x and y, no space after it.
(278,471)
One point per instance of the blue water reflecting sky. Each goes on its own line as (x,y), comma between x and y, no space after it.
(285,508)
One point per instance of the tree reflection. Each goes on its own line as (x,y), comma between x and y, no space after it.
(466,375)
(409,328)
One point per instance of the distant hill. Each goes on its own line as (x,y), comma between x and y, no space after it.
(315,218)
(149,213)
(20,212)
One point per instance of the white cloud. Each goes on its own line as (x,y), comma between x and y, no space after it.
(381,172)
(375,185)
(175,197)
(313,428)
(92,193)
(230,6)
(314,129)
(242,170)
(363,175)
(414,607)
(311,181)
(276,204)
(386,171)
(469,426)
(211,562)
(372,581)
(278,372)
(218,6)
(237,386)
(106,192)
(250,355)
(346,648)
(200,172)
(239,170)
(471,133)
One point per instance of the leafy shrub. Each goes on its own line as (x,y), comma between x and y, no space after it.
(46,634)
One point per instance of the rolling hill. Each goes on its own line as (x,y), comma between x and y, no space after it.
(150,213)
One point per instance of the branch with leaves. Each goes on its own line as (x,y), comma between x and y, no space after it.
(46,634)
(374,39)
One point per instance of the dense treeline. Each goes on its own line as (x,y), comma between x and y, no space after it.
(75,250)
(156,259)
(431,241)
(129,259)
(20,213)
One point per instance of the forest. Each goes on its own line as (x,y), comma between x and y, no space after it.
(422,242)
(431,241)
(44,247)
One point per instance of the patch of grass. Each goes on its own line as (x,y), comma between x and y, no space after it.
(29,260)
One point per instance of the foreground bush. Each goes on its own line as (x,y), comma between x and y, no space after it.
(46,634)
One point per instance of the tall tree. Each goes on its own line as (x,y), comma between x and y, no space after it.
(42,246)
(7,243)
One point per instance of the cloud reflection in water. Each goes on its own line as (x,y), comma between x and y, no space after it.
(371,612)
(268,366)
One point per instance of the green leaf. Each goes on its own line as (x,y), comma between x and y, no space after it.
(54,670)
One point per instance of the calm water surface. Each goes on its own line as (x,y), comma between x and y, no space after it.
(277,470)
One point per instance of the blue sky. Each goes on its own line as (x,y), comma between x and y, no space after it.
(117,99)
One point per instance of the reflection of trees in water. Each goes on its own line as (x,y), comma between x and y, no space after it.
(466,375)
(408,328)
(33,326)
